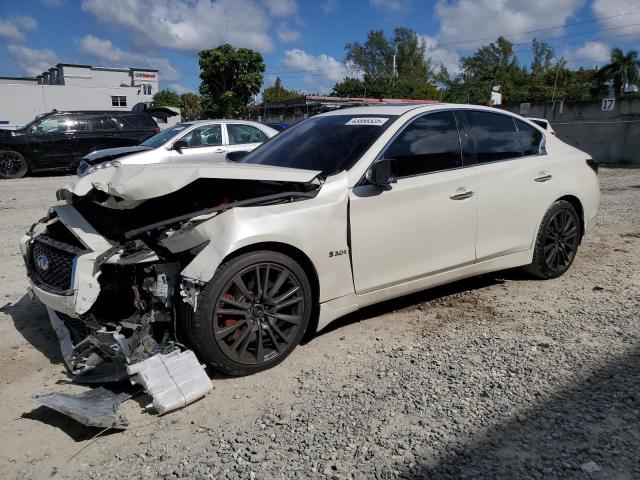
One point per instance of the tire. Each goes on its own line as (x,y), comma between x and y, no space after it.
(557,241)
(240,328)
(13,164)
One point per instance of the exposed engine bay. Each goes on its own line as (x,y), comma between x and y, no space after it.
(142,297)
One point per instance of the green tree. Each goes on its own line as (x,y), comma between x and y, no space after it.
(166,98)
(277,93)
(412,77)
(190,107)
(230,77)
(622,70)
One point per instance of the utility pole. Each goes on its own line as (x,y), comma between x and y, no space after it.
(555,84)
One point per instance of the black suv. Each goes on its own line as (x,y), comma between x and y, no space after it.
(59,140)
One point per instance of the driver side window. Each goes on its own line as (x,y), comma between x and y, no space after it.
(429,143)
(204,136)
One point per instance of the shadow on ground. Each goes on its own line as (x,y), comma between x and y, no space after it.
(31,320)
(597,420)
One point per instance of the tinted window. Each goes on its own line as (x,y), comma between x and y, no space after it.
(495,136)
(429,144)
(205,136)
(331,144)
(54,123)
(239,134)
(530,138)
(136,121)
(541,123)
(94,122)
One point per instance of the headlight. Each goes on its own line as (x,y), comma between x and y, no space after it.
(100,166)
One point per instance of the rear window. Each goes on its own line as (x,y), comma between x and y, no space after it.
(140,121)
(530,138)
(495,136)
(540,123)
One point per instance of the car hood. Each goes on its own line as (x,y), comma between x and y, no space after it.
(107,154)
(142,182)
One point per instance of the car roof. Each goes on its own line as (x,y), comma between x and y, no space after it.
(401,109)
(220,120)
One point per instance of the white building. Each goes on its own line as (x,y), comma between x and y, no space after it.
(74,87)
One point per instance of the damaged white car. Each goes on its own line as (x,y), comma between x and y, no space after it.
(345,209)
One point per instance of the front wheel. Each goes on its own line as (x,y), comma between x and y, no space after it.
(557,241)
(12,164)
(252,314)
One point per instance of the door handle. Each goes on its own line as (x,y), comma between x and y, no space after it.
(544,177)
(462,195)
(219,150)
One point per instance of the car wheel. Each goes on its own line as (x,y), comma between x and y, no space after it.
(12,164)
(252,314)
(557,241)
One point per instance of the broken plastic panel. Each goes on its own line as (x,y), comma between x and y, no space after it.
(173,380)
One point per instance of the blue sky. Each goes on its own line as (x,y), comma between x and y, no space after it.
(302,40)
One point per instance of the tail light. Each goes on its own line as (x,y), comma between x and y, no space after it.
(593,165)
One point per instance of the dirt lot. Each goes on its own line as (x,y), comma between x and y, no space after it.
(495,377)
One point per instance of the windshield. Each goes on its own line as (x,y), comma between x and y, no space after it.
(164,136)
(331,144)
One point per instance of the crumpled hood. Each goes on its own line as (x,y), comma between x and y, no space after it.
(106,154)
(142,182)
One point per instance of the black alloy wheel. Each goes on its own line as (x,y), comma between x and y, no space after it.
(253,313)
(557,241)
(12,164)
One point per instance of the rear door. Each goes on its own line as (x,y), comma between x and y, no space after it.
(244,138)
(426,222)
(205,143)
(93,131)
(513,187)
(52,141)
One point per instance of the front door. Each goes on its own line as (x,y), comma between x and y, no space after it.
(52,142)
(204,144)
(426,222)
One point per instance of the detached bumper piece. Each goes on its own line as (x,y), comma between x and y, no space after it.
(94,408)
(173,380)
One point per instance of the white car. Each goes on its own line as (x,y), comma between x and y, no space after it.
(544,123)
(202,140)
(343,210)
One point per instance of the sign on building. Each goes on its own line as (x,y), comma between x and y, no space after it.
(608,104)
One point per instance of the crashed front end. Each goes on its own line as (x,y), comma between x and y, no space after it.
(108,264)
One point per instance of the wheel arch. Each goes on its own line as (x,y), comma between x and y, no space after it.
(303,260)
(577,204)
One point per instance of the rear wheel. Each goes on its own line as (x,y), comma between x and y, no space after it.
(12,164)
(557,241)
(253,313)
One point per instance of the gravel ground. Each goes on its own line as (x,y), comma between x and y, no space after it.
(498,376)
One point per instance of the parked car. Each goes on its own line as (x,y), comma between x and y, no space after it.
(279,126)
(343,210)
(202,140)
(544,123)
(58,140)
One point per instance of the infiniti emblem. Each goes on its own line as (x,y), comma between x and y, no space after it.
(42,261)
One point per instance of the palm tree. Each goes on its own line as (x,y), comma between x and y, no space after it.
(623,70)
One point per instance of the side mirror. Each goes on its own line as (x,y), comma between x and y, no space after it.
(236,156)
(179,145)
(383,172)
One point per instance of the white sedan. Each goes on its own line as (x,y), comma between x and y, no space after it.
(199,141)
(341,211)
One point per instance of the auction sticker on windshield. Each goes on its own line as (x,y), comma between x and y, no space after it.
(377,121)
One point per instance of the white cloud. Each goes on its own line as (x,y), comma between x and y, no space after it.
(440,56)
(392,5)
(13,29)
(478,19)
(602,9)
(322,67)
(189,26)
(105,51)
(281,8)
(32,61)
(179,89)
(287,34)
(589,54)
(329,6)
